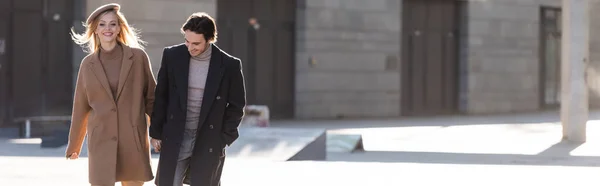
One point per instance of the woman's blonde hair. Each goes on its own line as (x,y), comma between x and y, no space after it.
(89,40)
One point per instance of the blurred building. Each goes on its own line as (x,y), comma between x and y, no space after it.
(319,58)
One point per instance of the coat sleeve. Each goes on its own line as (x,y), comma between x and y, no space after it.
(236,102)
(150,85)
(79,116)
(161,93)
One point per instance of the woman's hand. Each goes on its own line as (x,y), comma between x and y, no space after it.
(156,143)
(73,156)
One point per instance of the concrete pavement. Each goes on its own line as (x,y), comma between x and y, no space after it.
(523,134)
(484,150)
(46,171)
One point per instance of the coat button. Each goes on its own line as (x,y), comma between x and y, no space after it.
(210,150)
(171,116)
(114,138)
(218,97)
(211,126)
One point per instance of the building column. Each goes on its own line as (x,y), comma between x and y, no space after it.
(575,57)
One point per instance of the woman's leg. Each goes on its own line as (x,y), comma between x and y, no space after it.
(132,183)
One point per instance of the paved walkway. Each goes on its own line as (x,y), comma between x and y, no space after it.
(485,150)
(28,171)
(525,135)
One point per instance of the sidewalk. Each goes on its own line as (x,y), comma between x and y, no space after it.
(457,150)
(523,139)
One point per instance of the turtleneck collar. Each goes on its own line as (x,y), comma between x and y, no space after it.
(204,56)
(113,54)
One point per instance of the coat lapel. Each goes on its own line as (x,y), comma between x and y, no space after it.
(125,68)
(98,70)
(182,76)
(213,82)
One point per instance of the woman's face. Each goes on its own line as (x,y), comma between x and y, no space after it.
(108,27)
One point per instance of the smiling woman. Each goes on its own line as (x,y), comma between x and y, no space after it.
(114,95)
(108,25)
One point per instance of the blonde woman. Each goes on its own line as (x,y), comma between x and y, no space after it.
(113,97)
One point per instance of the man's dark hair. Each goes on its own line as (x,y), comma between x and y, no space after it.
(201,23)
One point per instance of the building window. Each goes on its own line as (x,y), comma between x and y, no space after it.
(550,56)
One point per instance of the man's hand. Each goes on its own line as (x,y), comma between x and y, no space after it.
(156,143)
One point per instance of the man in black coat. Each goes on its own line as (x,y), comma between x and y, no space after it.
(200,100)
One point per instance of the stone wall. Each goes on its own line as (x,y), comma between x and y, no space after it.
(593,70)
(502,55)
(347,58)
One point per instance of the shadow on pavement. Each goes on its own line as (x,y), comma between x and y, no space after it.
(556,155)
(454,120)
(31,148)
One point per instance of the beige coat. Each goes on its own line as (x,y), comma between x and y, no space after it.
(117,131)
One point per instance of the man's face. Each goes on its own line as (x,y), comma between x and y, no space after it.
(195,43)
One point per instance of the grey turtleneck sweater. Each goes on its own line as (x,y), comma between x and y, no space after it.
(196,83)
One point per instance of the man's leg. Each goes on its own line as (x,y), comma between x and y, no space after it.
(132,183)
(182,166)
(185,154)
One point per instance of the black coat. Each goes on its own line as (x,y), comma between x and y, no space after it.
(221,113)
